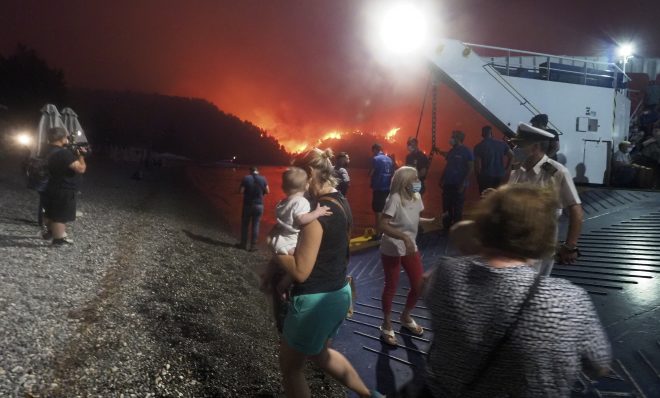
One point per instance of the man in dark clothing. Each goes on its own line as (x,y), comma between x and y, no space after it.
(64,169)
(488,165)
(417,159)
(381,172)
(341,174)
(253,187)
(454,180)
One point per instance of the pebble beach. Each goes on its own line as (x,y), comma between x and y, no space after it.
(152,300)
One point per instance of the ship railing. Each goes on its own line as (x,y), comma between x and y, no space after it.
(553,67)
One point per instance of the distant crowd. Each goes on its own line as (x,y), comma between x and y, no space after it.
(502,326)
(636,163)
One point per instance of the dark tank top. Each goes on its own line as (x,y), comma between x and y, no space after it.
(329,272)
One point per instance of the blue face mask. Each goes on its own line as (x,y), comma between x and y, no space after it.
(417,186)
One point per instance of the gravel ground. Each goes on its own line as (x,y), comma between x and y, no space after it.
(151,301)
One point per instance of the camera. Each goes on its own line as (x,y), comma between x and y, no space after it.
(78,144)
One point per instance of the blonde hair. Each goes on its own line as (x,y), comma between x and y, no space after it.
(294,179)
(518,219)
(404,177)
(321,162)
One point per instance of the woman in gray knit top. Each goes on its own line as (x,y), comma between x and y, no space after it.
(499,328)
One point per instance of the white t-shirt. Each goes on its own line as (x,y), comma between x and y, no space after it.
(559,179)
(405,218)
(284,236)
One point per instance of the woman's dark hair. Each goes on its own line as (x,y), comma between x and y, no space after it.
(519,220)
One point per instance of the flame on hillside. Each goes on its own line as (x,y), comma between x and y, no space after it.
(390,136)
(295,146)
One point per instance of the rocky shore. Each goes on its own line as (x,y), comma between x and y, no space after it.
(152,300)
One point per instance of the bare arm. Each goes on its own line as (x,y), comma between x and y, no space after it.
(79,166)
(306,218)
(566,254)
(300,265)
(267,189)
(385,226)
(575,219)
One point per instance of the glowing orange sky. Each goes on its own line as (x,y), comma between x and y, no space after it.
(299,69)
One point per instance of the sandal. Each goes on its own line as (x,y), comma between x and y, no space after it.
(388,337)
(413,328)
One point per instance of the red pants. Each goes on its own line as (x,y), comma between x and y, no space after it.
(413,266)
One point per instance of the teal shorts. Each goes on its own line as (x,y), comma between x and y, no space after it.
(314,318)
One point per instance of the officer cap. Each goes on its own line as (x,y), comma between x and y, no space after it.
(528,133)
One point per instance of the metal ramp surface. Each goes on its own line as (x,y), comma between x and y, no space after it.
(619,266)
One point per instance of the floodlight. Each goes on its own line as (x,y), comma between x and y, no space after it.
(626,50)
(24,139)
(403,28)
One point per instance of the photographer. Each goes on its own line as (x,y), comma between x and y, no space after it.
(65,165)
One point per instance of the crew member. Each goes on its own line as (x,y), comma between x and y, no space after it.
(417,159)
(539,169)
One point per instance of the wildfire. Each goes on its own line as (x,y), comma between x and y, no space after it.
(299,148)
(333,135)
(392,134)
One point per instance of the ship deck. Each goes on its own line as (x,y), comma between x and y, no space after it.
(619,267)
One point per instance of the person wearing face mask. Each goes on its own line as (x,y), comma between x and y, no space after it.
(399,223)
(417,159)
(455,178)
(538,169)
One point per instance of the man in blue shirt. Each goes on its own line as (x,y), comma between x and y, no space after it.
(253,187)
(454,180)
(382,169)
(488,154)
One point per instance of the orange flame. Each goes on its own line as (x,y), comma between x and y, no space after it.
(390,136)
(333,135)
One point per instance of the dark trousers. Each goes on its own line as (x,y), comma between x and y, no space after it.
(486,182)
(251,216)
(452,203)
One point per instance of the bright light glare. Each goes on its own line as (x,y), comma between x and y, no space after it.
(626,50)
(24,139)
(403,29)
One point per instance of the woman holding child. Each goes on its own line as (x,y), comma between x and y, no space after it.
(320,295)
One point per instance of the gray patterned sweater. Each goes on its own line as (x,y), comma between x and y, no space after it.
(472,304)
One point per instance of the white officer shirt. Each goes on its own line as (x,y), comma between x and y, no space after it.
(560,179)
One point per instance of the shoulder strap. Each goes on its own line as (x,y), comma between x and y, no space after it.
(492,355)
(349,225)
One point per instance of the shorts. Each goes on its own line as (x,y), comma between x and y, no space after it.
(314,318)
(60,205)
(378,201)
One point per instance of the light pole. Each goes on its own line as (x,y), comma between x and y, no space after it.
(625,51)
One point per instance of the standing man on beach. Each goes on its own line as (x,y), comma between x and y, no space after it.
(64,168)
(381,172)
(253,188)
(417,159)
(488,156)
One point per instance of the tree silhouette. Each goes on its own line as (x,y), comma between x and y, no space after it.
(27,83)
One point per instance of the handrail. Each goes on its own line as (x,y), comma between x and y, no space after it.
(509,50)
(542,68)
(527,104)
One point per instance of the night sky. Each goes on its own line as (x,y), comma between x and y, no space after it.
(298,68)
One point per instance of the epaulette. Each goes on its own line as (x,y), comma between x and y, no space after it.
(549,168)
